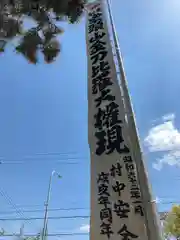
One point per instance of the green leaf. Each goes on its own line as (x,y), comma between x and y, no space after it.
(2,45)
(51,51)
(50,32)
(30,53)
(50,11)
(32,38)
(172,222)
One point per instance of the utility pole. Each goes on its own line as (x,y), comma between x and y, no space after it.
(22,232)
(44,233)
(152,223)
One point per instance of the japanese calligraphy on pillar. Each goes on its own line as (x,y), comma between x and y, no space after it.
(116,203)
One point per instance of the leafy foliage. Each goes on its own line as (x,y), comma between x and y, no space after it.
(172,223)
(2,232)
(38,237)
(46,15)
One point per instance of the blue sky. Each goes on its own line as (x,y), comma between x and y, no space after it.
(43,123)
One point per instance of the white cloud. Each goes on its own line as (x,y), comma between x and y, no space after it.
(85,228)
(165,137)
(168,117)
(157,165)
(172,159)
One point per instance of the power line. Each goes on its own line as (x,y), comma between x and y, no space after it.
(49,210)
(40,205)
(10,202)
(55,218)
(62,160)
(52,153)
(27,207)
(41,159)
(68,209)
(44,155)
(34,162)
(49,235)
(169,202)
(39,218)
(47,154)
